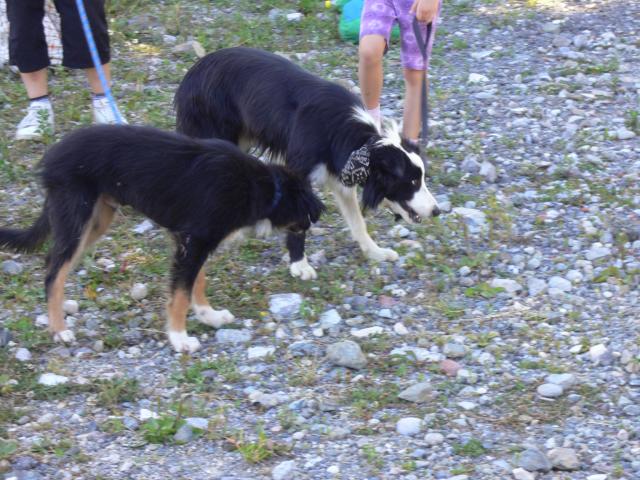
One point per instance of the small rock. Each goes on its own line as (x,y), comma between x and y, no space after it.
(550,390)
(467,405)
(284,471)
(551,27)
(256,353)
(346,354)
(51,379)
(561,284)
(294,17)
(304,348)
(470,165)
(285,306)
(488,171)
(184,434)
(197,422)
(522,474)
(477,78)
(23,355)
(11,267)
(233,335)
(565,380)
(475,219)
(146,414)
(509,286)
(5,337)
(330,318)
(146,224)
(70,307)
(624,134)
(42,320)
(534,460)
(597,476)
(450,367)
(595,253)
(268,400)
(418,393)
(409,426)
(433,438)
(564,459)
(192,46)
(454,350)
(367,332)
(139,291)
(400,329)
(597,352)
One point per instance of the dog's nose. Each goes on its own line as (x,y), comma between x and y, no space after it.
(435,212)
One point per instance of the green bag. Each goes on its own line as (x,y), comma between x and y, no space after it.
(349,26)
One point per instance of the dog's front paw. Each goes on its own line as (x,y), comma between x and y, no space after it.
(381,255)
(213,318)
(181,342)
(65,336)
(302,269)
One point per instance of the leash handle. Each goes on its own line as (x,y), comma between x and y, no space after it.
(88,34)
(423,44)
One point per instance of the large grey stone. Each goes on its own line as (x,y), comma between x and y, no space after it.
(418,393)
(564,459)
(534,460)
(232,335)
(285,306)
(346,354)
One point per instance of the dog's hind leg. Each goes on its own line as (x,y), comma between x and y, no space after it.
(204,312)
(71,216)
(299,266)
(103,214)
(347,201)
(188,260)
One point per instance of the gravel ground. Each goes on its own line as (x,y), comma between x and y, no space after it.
(505,342)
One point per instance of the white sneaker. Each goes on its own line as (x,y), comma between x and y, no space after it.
(37,122)
(102,113)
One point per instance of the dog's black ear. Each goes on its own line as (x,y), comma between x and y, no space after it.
(388,161)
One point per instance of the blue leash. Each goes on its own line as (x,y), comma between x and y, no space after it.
(96,60)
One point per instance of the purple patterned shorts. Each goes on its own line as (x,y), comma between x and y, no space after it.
(378,17)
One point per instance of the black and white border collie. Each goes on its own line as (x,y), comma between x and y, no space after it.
(253,97)
(203,191)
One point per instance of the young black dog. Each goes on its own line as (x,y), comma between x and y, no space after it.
(321,129)
(202,191)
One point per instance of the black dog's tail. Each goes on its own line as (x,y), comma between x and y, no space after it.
(29,239)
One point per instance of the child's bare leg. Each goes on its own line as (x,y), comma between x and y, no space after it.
(412,117)
(371,51)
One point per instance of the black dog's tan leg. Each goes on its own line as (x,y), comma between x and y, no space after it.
(71,234)
(204,313)
(188,260)
(347,201)
(102,217)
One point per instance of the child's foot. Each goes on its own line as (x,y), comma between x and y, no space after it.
(37,121)
(102,112)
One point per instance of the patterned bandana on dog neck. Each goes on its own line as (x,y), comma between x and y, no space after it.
(356,170)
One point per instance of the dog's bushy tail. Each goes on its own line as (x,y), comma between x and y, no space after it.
(29,239)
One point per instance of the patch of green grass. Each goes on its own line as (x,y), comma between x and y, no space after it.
(372,457)
(47,446)
(259,450)
(161,429)
(472,448)
(632,121)
(483,290)
(111,393)
(114,426)
(7,448)
(607,273)
(368,399)
(192,374)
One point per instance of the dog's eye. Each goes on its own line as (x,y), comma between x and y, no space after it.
(416,182)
